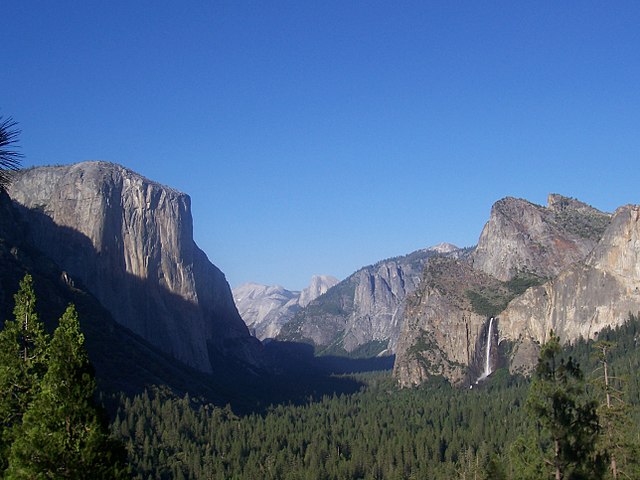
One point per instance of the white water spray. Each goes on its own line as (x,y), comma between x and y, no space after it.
(487,360)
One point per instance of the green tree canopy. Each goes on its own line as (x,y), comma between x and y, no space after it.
(63,434)
(567,420)
(23,344)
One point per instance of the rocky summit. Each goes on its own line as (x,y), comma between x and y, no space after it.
(265,309)
(129,241)
(566,266)
(583,299)
(523,238)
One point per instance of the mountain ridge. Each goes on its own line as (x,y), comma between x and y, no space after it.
(522,246)
(266,308)
(365,310)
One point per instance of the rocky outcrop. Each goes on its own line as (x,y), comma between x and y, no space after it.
(523,238)
(366,309)
(129,241)
(583,299)
(521,246)
(442,327)
(265,309)
(318,286)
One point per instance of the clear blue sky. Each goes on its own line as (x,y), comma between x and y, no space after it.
(318,137)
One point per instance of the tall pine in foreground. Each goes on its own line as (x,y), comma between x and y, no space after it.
(567,420)
(614,413)
(63,434)
(23,345)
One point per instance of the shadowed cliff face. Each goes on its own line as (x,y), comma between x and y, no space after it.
(129,241)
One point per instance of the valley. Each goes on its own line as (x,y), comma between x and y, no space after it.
(400,370)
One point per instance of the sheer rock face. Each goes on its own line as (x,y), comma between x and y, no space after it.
(366,307)
(379,304)
(265,309)
(443,329)
(129,241)
(584,298)
(521,237)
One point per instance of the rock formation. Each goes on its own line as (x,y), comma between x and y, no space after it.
(521,245)
(129,241)
(442,327)
(584,298)
(366,309)
(523,238)
(265,309)
(318,286)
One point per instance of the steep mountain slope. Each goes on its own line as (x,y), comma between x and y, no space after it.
(521,246)
(365,311)
(123,361)
(523,238)
(266,308)
(129,241)
(442,327)
(583,299)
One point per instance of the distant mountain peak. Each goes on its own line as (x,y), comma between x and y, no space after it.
(265,308)
(318,286)
(443,248)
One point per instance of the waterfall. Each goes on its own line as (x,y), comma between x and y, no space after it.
(487,360)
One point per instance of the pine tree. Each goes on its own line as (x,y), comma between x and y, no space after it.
(9,158)
(63,434)
(614,414)
(23,344)
(567,421)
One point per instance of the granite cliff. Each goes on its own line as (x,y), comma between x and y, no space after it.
(523,238)
(129,241)
(521,246)
(265,309)
(582,299)
(363,314)
(123,361)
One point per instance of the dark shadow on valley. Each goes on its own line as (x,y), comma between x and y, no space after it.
(125,362)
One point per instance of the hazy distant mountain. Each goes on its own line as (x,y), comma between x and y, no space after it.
(129,241)
(363,314)
(265,309)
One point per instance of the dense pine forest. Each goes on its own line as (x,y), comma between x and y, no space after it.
(577,417)
(437,431)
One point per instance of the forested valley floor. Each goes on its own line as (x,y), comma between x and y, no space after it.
(435,431)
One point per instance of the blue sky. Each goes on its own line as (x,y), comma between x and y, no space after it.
(319,137)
